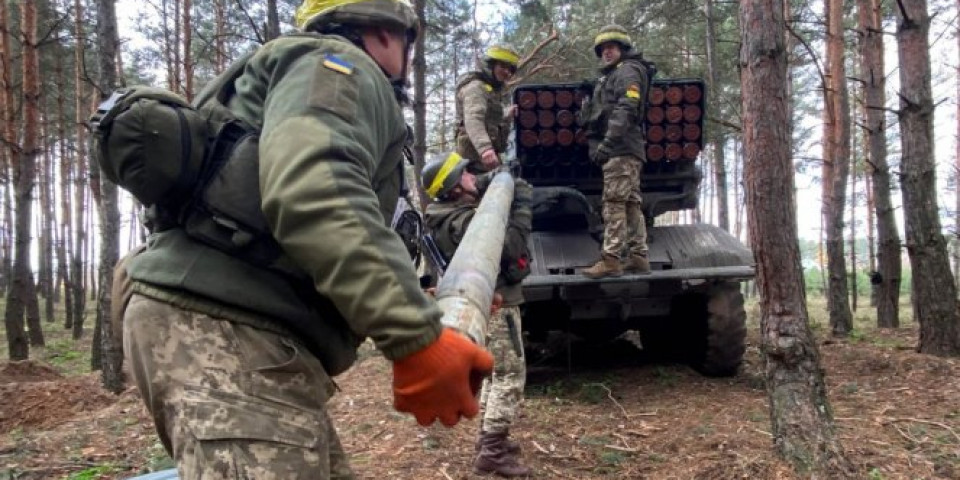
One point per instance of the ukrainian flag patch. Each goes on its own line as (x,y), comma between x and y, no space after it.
(337,64)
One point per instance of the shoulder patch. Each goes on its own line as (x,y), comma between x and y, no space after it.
(633,91)
(488,87)
(337,64)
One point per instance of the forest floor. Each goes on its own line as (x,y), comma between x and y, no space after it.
(897,414)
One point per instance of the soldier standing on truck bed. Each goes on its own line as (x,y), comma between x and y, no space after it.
(234,359)
(456,194)
(482,124)
(613,120)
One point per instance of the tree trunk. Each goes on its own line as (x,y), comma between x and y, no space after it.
(887,278)
(717,143)
(853,234)
(802,420)
(219,18)
(187,53)
(63,244)
(956,173)
(871,224)
(935,294)
(836,166)
(273,21)
(23,294)
(112,355)
(48,220)
(75,324)
(420,101)
(737,194)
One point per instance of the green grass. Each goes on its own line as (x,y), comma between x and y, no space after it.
(93,473)
(70,357)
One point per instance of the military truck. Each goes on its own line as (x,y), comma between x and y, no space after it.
(689,308)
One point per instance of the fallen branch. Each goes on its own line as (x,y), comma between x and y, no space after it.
(926,422)
(535,444)
(610,396)
(443,471)
(621,449)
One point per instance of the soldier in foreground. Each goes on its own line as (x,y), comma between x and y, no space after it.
(456,195)
(234,359)
(482,124)
(613,119)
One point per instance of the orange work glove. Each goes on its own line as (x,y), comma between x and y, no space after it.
(442,380)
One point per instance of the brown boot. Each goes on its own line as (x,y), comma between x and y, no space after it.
(637,264)
(607,267)
(494,457)
(513,448)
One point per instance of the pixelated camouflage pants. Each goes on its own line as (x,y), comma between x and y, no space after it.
(623,223)
(502,392)
(231,401)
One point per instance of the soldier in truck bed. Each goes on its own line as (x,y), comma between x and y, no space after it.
(482,124)
(613,120)
(456,194)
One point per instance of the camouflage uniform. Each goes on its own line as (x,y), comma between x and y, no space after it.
(503,392)
(480,118)
(613,117)
(234,360)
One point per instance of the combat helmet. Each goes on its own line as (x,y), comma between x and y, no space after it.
(442,174)
(502,54)
(397,14)
(612,33)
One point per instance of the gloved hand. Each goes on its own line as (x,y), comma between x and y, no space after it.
(601,154)
(442,380)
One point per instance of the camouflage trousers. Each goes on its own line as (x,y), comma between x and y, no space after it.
(230,401)
(623,222)
(502,392)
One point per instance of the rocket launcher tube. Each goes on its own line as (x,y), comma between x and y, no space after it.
(466,289)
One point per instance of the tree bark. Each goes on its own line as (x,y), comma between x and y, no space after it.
(956,176)
(63,245)
(108,43)
(718,141)
(888,236)
(17,343)
(802,420)
(836,166)
(77,263)
(934,292)
(420,99)
(187,51)
(23,297)
(273,21)
(47,221)
(854,200)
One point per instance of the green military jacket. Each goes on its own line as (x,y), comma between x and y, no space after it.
(481,124)
(615,112)
(331,136)
(448,222)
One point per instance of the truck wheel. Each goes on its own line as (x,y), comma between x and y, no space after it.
(721,333)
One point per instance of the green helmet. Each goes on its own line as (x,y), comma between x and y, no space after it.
(386,13)
(612,33)
(442,174)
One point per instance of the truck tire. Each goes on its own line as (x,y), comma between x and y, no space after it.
(721,334)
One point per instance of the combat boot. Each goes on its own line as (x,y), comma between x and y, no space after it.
(494,457)
(607,267)
(637,264)
(513,448)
